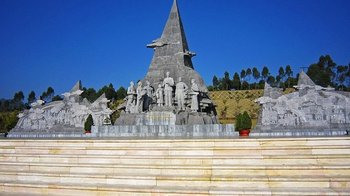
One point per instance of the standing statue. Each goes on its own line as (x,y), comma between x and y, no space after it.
(194,96)
(130,97)
(139,96)
(160,95)
(148,98)
(180,94)
(168,90)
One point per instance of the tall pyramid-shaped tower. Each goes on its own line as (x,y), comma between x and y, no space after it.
(171,54)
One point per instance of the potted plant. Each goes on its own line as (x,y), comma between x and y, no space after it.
(88,124)
(243,124)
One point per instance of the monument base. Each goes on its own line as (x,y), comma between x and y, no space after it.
(166,118)
(137,131)
(164,131)
(299,133)
(47,134)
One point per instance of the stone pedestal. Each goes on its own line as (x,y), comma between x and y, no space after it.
(165,131)
(149,118)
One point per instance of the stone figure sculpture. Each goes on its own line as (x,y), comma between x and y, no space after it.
(130,98)
(180,94)
(194,96)
(139,96)
(310,107)
(168,90)
(171,60)
(160,95)
(148,97)
(68,114)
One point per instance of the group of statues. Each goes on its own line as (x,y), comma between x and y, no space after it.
(69,113)
(143,98)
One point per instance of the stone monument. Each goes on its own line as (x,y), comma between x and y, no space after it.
(176,108)
(61,118)
(172,110)
(311,110)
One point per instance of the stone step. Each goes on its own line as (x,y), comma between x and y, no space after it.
(326,141)
(189,152)
(261,181)
(93,190)
(204,170)
(301,166)
(62,148)
(180,160)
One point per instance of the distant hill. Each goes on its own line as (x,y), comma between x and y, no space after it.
(230,103)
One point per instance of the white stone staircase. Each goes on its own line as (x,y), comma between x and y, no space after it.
(253,166)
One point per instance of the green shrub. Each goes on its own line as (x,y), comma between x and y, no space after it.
(247,121)
(88,123)
(238,125)
(243,121)
(8,120)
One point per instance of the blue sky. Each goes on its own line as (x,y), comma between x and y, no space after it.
(57,42)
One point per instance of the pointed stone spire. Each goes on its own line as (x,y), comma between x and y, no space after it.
(76,87)
(174,33)
(271,92)
(171,54)
(267,90)
(304,79)
(102,99)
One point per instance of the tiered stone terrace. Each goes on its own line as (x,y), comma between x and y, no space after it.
(289,166)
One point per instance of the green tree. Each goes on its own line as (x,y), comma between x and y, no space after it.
(43,96)
(5,105)
(90,94)
(215,82)
(226,81)
(322,72)
(256,75)
(109,92)
(31,97)
(271,80)
(342,71)
(210,88)
(121,93)
(50,92)
(289,74)
(280,76)
(265,73)
(245,85)
(19,96)
(236,82)
(18,100)
(248,74)
(243,74)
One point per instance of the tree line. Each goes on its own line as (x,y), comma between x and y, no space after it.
(324,73)
(18,102)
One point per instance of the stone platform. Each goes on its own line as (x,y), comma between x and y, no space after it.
(254,166)
(299,133)
(154,131)
(137,132)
